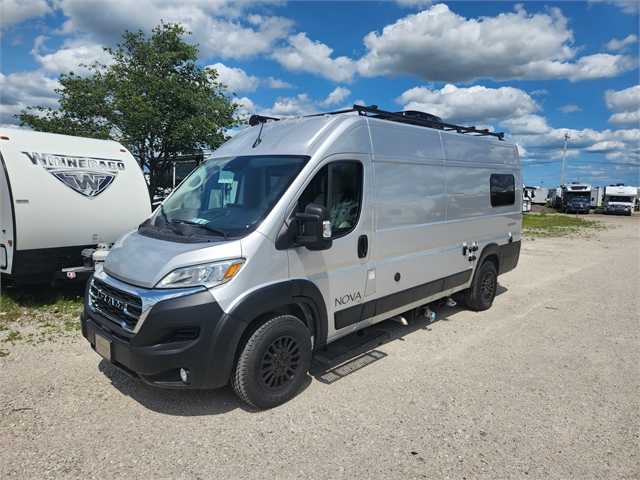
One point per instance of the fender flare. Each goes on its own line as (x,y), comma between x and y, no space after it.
(507,256)
(271,297)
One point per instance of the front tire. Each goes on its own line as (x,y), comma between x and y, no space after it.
(273,363)
(479,296)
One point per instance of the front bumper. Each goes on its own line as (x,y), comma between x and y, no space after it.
(578,208)
(190,332)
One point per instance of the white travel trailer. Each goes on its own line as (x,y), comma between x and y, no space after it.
(619,199)
(596,197)
(540,196)
(297,233)
(60,195)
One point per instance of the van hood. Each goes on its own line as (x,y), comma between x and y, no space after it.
(144,261)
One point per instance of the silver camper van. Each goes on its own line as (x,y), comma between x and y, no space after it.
(298,232)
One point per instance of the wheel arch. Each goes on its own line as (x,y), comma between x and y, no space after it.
(300,298)
(490,253)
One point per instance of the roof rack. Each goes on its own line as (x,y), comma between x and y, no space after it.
(408,116)
(424,120)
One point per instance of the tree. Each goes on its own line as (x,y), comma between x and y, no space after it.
(152,98)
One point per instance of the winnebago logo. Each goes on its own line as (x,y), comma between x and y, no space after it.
(352,297)
(86,175)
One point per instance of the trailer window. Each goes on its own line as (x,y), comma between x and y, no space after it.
(503,190)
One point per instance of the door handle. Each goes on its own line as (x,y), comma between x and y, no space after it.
(363,246)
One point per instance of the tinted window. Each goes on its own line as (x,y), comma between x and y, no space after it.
(503,190)
(344,180)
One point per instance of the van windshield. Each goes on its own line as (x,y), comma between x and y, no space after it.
(227,197)
(578,197)
(617,198)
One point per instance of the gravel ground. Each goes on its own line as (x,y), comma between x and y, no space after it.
(545,384)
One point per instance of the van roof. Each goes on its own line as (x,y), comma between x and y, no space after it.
(412,117)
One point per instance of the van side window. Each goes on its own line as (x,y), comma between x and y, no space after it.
(344,181)
(503,190)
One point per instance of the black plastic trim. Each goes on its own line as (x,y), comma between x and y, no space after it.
(155,354)
(509,255)
(273,297)
(42,264)
(360,312)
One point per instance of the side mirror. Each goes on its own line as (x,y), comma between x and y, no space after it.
(315,222)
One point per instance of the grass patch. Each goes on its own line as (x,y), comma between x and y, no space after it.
(54,311)
(31,300)
(557,225)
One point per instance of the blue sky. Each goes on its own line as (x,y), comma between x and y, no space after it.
(534,70)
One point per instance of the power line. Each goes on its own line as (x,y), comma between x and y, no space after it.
(547,162)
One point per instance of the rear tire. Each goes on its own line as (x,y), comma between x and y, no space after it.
(273,363)
(479,296)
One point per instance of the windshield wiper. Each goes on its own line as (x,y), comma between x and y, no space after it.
(202,225)
(173,228)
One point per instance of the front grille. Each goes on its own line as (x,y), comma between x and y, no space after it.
(114,304)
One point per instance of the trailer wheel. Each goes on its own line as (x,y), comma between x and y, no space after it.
(273,362)
(479,296)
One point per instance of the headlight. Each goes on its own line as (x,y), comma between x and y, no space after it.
(208,274)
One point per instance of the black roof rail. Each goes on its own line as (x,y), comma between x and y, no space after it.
(258,119)
(424,120)
(412,117)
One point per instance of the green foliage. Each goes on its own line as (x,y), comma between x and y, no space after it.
(31,300)
(45,311)
(152,98)
(556,225)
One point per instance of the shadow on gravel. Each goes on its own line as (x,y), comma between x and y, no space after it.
(185,403)
(397,332)
(191,403)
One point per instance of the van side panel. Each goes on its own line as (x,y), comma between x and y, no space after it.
(470,216)
(410,208)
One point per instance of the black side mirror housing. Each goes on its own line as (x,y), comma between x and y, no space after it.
(315,222)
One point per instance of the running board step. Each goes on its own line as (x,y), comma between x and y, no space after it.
(351,349)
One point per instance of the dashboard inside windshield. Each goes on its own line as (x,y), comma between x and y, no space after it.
(228,197)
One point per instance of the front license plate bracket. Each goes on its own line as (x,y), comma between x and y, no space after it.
(103,346)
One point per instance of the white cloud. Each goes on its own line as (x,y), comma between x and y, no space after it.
(14,12)
(291,106)
(232,40)
(569,108)
(25,89)
(615,44)
(475,104)
(275,83)
(540,92)
(337,96)
(70,56)
(526,125)
(304,55)
(246,106)
(632,7)
(618,145)
(626,106)
(216,25)
(415,3)
(439,45)
(235,79)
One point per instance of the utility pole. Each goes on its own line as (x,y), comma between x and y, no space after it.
(564,157)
